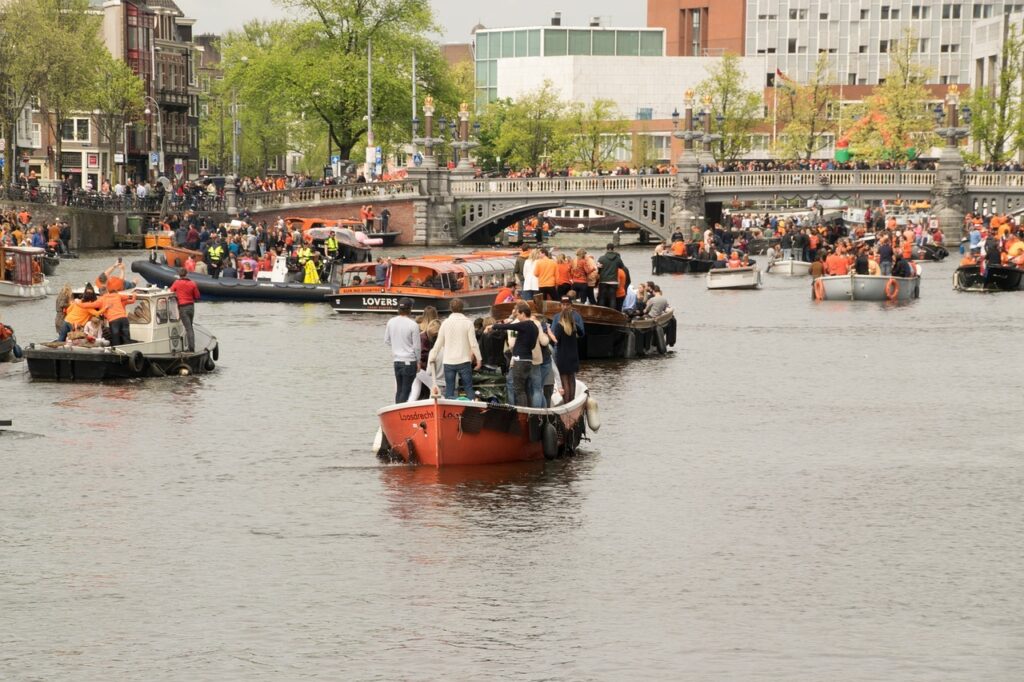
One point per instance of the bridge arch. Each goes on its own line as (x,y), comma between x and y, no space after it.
(479,219)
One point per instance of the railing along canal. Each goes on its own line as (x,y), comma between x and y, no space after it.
(305,196)
(570,185)
(817,179)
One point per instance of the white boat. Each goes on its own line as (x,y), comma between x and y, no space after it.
(792,268)
(21,273)
(734,278)
(854,287)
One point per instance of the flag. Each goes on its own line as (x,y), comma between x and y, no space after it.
(786,81)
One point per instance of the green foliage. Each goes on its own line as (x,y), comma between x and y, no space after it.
(741,109)
(804,114)
(896,118)
(997,121)
(117,98)
(593,134)
(524,133)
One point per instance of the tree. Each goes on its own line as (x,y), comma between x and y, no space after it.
(738,108)
(593,134)
(72,79)
(804,110)
(896,120)
(997,121)
(118,98)
(26,27)
(530,128)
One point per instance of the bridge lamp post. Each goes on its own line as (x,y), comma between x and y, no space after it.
(463,146)
(428,140)
(687,161)
(952,132)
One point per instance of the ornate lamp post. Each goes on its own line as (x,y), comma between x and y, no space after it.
(463,146)
(953,132)
(949,191)
(428,141)
(709,138)
(687,161)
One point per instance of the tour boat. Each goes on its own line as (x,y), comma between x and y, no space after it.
(668,263)
(21,273)
(156,349)
(439,432)
(582,219)
(609,333)
(855,287)
(995,278)
(474,278)
(748,277)
(792,268)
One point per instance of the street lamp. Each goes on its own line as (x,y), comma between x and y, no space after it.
(463,146)
(952,131)
(687,161)
(428,140)
(159,131)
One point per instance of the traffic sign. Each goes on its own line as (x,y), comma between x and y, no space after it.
(335,159)
(379,155)
(154,158)
(417,159)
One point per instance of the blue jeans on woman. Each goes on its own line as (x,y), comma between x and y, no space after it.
(464,370)
(536,384)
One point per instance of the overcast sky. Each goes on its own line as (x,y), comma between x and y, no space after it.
(457,17)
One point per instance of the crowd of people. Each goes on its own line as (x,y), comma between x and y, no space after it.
(17,228)
(99,316)
(997,240)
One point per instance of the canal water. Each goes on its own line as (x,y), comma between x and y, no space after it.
(800,490)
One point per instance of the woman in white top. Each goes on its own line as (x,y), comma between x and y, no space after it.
(531,285)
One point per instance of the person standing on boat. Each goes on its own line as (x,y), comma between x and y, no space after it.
(458,349)
(187,293)
(215,254)
(608,276)
(403,335)
(520,367)
(546,271)
(531,284)
(568,329)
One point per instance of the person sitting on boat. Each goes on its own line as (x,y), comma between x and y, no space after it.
(248,267)
(507,293)
(526,335)
(734,261)
(873,268)
(860,265)
(94,333)
(679,248)
(230,269)
(79,312)
(836,263)
(660,248)
(902,267)
(657,304)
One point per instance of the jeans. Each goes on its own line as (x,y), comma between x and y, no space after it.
(64,331)
(188,313)
(405,373)
(536,385)
(606,294)
(787,254)
(464,370)
(519,373)
(119,334)
(886,268)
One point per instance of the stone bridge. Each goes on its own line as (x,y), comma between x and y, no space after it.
(438,206)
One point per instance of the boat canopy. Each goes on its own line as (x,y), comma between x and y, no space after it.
(482,266)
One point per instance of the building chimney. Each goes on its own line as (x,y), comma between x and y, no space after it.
(556,20)
(595,22)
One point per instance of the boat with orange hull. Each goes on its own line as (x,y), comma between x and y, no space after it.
(439,432)
(437,280)
(158,238)
(175,256)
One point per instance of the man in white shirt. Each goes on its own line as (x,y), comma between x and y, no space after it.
(403,335)
(457,346)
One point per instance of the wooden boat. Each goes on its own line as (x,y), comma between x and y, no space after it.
(668,263)
(609,333)
(475,278)
(855,287)
(158,239)
(355,226)
(792,268)
(582,219)
(996,278)
(156,350)
(734,278)
(175,256)
(935,252)
(21,273)
(439,432)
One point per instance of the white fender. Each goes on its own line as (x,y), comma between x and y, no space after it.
(593,418)
(378,440)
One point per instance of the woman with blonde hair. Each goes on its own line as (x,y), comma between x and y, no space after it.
(531,285)
(64,298)
(568,330)
(428,316)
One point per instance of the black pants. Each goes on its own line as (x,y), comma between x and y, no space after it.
(119,332)
(549,293)
(563,290)
(188,313)
(606,294)
(519,371)
(405,374)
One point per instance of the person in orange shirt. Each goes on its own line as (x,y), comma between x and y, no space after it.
(679,248)
(79,312)
(837,264)
(112,308)
(734,261)
(620,292)
(546,271)
(563,276)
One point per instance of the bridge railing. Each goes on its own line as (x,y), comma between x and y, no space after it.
(306,196)
(997,180)
(816,179)
(573,185)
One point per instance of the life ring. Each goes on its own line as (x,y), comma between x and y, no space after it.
(659,340)
(818,290)
(892,289)
(136,362)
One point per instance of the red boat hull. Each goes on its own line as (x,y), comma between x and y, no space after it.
(456,432)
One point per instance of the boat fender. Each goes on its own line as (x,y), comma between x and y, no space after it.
(593,418)
(136,361)
(209,364)
(216,352)
(818,290)
(659,340)
(549,441)
(556,399)
(892,289)
(184,371)
(381,447)
(534,424)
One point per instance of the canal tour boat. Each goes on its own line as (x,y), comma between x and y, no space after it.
(854,287)
(440,432)
(474,278)
(748,277)
(21,273)
(157,347)
(993,278)
(608,333)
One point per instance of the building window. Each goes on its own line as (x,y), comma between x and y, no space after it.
(695,46)
(865,14)
(75,130)
(884,45)
(922,44)
(920,12)
(951,11)
(862,49)
(950,47)
(823,16)
(885,11)
(627,43)
(795,14)
(579,42)
(982,11)
(604,43)
(791,46)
